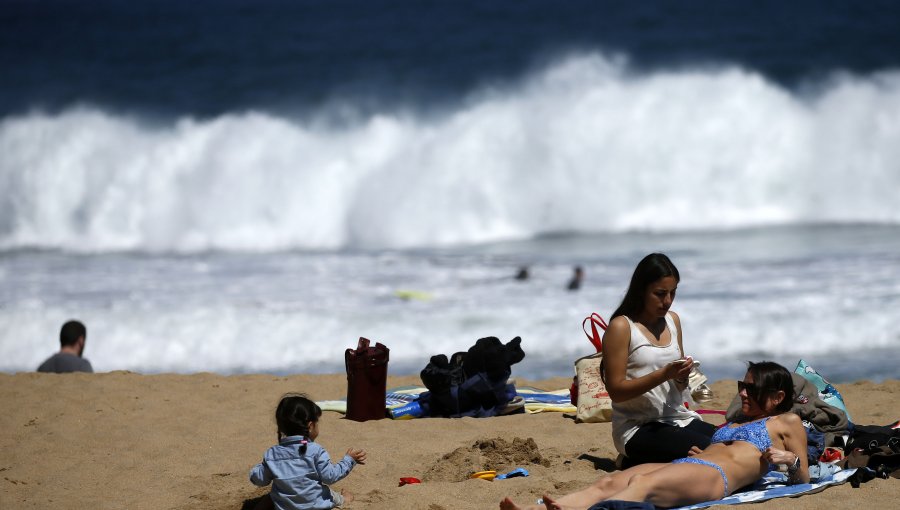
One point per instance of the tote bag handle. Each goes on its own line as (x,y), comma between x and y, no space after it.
(593,335)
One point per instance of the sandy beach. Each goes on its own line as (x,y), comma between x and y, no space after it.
(126,440)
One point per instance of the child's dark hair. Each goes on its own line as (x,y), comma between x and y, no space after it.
(293,415)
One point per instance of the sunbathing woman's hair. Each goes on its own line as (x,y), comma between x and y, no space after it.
(649,269)
(293,415)
(770,377)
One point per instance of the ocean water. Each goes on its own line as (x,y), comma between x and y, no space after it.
(251,186)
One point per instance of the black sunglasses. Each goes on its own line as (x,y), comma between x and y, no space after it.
(753,391)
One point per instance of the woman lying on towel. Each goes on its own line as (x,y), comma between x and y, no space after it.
(739,455)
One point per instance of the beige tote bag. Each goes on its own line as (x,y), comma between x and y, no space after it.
(593,403)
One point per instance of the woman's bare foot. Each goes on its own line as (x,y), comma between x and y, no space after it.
(348,496)
(507,504)
(549,504)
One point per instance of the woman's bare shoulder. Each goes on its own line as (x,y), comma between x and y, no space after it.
(788,420)
(618,331)
(618,322)
(675,318)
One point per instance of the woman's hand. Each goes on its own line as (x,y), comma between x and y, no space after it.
(776,456)
(695,450)
(679,370)
(358,455)
(616,342)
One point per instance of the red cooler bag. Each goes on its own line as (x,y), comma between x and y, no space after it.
(366,381)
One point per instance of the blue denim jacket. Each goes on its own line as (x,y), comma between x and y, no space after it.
(300,481)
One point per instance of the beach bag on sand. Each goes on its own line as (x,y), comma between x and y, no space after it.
(883,460)
(827,392)
(366,380)
(588,390)
(473,383)
(873,437)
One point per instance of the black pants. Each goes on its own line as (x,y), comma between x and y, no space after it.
(658,442)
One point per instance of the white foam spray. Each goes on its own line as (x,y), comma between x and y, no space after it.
(583,145)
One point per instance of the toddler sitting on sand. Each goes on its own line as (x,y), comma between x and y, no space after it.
(301,469)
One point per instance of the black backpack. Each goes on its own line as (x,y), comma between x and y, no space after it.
(871,437)
(472,383)
(874,447)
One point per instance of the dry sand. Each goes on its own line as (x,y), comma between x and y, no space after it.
(125,440)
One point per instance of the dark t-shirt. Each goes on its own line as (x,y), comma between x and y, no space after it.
(63,362)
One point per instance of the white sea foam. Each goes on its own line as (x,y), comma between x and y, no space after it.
(583,162)
(584,145)
(826,294)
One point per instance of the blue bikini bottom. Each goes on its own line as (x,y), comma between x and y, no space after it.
(694,460)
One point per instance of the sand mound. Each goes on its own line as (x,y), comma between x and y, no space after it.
(486,454)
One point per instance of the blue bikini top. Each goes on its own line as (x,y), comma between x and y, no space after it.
(754,433)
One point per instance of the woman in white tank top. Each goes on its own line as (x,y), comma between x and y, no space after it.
(646,371)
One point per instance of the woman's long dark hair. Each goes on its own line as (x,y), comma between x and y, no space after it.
(650,269)
(770,377)
(293,415)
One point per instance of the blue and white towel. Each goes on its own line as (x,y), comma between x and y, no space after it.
(536,400)
(774,485)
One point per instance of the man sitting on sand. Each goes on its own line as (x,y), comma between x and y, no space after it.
(68,359)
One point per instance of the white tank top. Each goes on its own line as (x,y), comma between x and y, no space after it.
(664,403)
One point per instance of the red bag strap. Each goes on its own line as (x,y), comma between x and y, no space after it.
(594,336)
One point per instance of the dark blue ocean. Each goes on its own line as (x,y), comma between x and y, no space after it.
(214,57)
(249,186)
